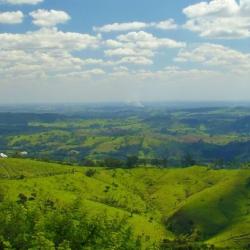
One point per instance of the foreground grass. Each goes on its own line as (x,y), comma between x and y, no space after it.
(208,205)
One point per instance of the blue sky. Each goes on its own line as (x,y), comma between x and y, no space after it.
(153,50)
(88,13)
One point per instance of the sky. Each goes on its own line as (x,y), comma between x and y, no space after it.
(124,51)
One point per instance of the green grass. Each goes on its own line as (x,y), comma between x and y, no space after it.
(161,203)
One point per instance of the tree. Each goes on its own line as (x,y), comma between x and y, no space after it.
(188,160)
(112,163)
(165,162)
(65,245)
(218,164)
(156,162)
(132,161)
(88,163)
(40,242)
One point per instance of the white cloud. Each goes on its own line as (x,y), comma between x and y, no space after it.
(23,64)
(49,18)
(166,25)
(138,47)
(47,39)
(146,40)
(137,60)
(18,2)
(12,17)
(128,52)
(120,27)
(216,56)
(44,53)
(214,7)
(224,19)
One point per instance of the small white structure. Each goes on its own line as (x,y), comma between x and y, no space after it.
(2,155)
(24,153)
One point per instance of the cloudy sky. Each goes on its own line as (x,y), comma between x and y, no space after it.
(116,50)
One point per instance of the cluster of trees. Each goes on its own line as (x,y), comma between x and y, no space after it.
(130,162)
(135,161)
(33,223)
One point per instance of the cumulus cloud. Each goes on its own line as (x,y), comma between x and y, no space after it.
(148,41)
(121,27)
(49,52)
(166,25)
(223,19)
(45,52)
(128,52)
(138,47)
(46,39)
(48,18)
(11,17)
(129,26)
(18,2)
(137,60)
(217,56)
(23,64)
(214,7)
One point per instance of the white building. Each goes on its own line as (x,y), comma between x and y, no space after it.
(2,155)
(23,153)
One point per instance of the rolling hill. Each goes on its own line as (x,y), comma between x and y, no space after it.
(210,206)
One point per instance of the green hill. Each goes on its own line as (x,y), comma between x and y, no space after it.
(205,205)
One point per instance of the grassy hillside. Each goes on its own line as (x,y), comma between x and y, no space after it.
(206,205)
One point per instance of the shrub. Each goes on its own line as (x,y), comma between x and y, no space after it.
(90,172)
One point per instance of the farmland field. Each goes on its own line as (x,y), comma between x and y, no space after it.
(207,135)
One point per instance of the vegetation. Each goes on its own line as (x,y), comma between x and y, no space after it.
(125,178)
(53,206)
(155,135)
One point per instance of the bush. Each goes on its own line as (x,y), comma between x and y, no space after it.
(90,172)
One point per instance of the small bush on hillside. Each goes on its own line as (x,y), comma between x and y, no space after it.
(106,189)
(22,198)
(90,172)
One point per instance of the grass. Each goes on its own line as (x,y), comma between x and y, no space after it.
(161,203)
